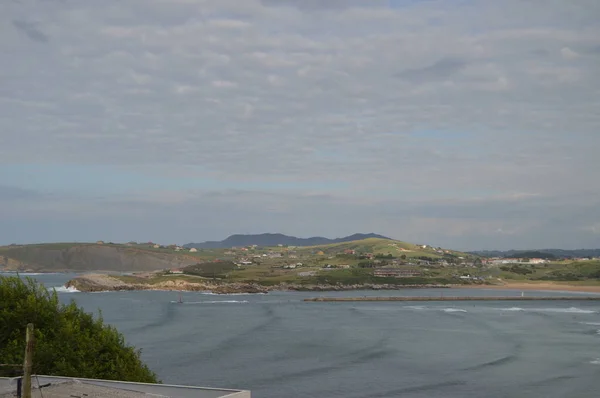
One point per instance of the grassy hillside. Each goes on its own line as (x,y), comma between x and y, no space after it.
(90,257)
(567,270)
(384,246)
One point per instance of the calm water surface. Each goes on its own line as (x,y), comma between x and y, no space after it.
(278,346)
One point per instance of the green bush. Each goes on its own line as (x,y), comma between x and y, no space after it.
(213,269)
(517,269)
(68,341)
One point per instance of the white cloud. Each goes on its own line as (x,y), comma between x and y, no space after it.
(567,53)
(425,101)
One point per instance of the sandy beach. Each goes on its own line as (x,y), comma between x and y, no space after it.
(556,286)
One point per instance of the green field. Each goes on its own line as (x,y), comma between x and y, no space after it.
(566,271)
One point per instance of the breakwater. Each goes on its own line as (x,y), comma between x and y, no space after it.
(457,298)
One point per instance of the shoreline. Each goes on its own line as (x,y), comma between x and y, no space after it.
(450,298)
(101,282)
(539,286)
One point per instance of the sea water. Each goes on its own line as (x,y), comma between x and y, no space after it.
(276,345)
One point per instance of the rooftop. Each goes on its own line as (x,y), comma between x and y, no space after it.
(67,387)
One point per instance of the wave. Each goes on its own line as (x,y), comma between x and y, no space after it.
(63,289)
(453,310)
(590,323)
(230,294)
(570,310)
(211,302)
(512,309)
(500,361)
(424,308)
(595,361)
(416,307)
(35,273)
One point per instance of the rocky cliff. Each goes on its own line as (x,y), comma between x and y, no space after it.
(100,282)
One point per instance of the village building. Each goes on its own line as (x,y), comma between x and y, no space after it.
(396,272)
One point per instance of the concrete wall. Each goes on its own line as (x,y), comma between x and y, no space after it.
(8,385)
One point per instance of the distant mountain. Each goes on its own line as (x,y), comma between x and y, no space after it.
(277,239)
(544,253)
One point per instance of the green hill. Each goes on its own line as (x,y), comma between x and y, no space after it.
(259,261)
(90,257)
(386,247)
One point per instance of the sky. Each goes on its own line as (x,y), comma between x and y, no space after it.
(466,124)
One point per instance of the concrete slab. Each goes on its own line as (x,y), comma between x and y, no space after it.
(67,387)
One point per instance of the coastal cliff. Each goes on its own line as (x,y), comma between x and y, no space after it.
(89,257)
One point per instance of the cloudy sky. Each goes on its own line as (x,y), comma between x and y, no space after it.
(470,124)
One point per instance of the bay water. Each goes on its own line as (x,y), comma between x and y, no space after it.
(277,345)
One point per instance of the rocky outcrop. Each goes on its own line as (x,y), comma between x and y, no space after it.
(10,264)
(364,286)
(101,282)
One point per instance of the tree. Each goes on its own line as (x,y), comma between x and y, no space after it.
(68,341)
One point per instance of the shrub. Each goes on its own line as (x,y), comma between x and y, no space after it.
(214,269)
(68,341)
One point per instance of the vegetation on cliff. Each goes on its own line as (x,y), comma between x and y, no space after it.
(68,341)
(91,257)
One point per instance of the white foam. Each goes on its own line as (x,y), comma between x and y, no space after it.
(210,302)
(63,289)
(416,307)
(570,310)
(590,323)
(595,361)
(453,310)
(230,294)
(512,309)
(226,301)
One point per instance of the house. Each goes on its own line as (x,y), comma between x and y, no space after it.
(344,266)
(156,246)
(396,272)
(177,271)
(100,242)
(537,261)
(193,250)
(349,251)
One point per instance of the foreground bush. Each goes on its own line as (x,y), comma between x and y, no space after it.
(68,341)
